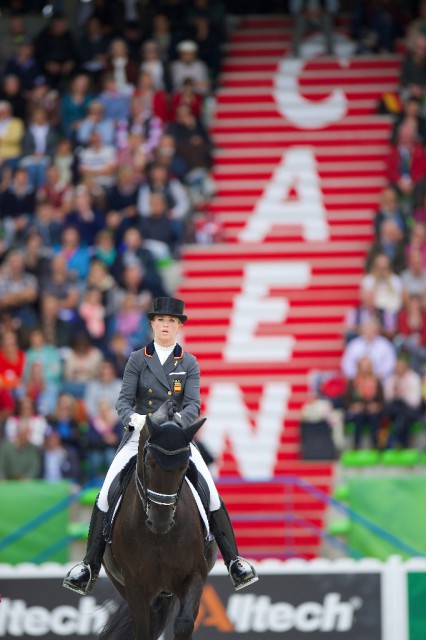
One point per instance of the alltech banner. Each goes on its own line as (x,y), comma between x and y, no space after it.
(291,600)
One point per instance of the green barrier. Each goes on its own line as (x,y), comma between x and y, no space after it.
(24,532)
(416,583)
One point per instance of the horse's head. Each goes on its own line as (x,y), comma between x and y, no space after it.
(164,461)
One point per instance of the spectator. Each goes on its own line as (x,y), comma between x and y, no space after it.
(414,277)
(309,15)
(379,349)
(7,407)
(167,157)
(118,353)
(104,436)
(104,248)
(134,154)
(65,162)
(46,354)
(122,197)
(132,280)
(98,162)
(64,422)
(36,258)
(411,336)
(413,72)
(124,68)
(56,191)
(18,290)
(390,210)
(410,114)
(189,97)
(189,66)
(76,254)
(152,64)
(94,47)
(154,102)
(26,414)
(84,216)
(131,322)
(43,96)
(11,135)
(42,393)
(11,38)
(175,194)
(385,284)
(19,458)
(403,393)
(364,401)
(74,105)
(159,226)
(25,66)
(406,164)
(365,311)
(38,147)
(82,363)
(107,385)
(115,99)
(92,312)
(17,206)
(95,120)
(55,50)
(149,128)
(390,243)
(418,241)
(59,301)
(12,362)
(417,26)
(11,92)
(47,226)
(163,36)
(57,463)
(99,278)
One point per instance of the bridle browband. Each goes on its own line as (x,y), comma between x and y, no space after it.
(148,496)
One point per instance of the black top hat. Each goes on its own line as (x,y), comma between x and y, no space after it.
(168,307)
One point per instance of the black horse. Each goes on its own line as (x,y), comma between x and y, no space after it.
(158,556)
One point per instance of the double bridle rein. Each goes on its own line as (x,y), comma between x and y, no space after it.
(148,496)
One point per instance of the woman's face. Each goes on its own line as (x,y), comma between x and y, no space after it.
(166,329)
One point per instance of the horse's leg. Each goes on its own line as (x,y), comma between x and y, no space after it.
(139,610)
(190,603)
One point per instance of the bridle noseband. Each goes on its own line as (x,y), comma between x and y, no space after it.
(148,496)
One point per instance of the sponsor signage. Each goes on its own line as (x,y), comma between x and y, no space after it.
(292,606)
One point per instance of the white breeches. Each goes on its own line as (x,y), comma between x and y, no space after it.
(130,449)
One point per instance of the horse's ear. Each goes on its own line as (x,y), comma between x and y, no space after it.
(152,426)
(192,430)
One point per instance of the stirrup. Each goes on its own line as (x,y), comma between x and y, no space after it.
(72,583)
(247,574)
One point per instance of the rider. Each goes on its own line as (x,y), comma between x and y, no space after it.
(160,372)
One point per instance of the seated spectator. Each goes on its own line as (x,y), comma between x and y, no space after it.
(379,349)
(410,113)
(133,154)
(385,284)
(123,67)
(12,36)
(84,217)
(82,363)
(105,430)
(189,97)
(47,226)
(24,65)
(158,181)
(12,362)
(406,164)
(163,35)
(118,353)
(74,105)
(414,277)
(106,386)
(64,422)
(133,250)
(26,413)
(207,20)
(100,278)
(18,290)
(55,49)
(42,392)
(55,190)
(38,147)
(131,323)
(65,162)
(7,407)
(390,243)
(43,96)
(413,72)
(104,248)
(97,163)
(357,316)
(159,226)
(76,254)
(11,92)
(418,241)
(189,66)
(95,120)
(167,157)
(11,135)
(152,64)
(364,401)
(133,34)
(94,47)
(411,332)
(19,458)
(115,99)
(148,128)
(36,258)
(132,281)
(403,393)
(92,312)
(59,302)
(17,207)
(122,197)
(57,462)
(390,210)
(153,101)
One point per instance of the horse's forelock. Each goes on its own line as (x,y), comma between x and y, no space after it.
(170,437)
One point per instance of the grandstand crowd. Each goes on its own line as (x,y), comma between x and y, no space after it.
(105,170)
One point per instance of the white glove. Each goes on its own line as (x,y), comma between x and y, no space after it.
(137,421)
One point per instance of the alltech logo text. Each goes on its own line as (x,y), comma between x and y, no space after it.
(245,613)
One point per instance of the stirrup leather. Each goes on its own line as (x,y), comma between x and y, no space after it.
(244,575)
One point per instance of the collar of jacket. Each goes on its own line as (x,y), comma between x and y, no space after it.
(150,350)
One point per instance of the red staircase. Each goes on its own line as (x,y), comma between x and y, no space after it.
(338,170)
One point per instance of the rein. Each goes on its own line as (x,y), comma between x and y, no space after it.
(148,496)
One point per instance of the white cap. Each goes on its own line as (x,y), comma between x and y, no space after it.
(187,46)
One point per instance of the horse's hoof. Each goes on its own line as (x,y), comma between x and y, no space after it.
(183,628)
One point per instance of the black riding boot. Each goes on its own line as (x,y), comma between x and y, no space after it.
(83,576)
(240,570)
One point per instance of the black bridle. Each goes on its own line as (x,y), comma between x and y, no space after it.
(148,496)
